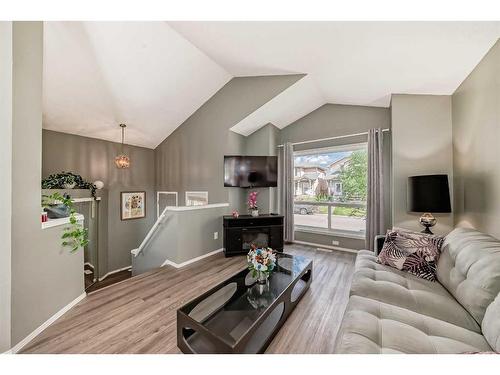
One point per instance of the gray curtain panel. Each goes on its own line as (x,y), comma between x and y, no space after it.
(375,199)
(286,189)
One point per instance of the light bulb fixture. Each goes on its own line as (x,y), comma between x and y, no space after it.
(122,161)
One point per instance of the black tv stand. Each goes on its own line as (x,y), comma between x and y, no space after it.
(262,231)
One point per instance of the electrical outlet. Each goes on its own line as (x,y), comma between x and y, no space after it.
(335,243)
(216,235)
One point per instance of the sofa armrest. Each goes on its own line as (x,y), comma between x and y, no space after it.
(379,243)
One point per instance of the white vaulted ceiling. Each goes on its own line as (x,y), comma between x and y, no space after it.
(144,74)
(358,63)
(154,75)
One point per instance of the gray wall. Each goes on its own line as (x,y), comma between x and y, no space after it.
(5,176)
(421,144)
(45,277)
(326,240)
(188,235)
(98,223)
(192,244)
(263,142)
(93,159)
(332,120)
(476,155)
(191,158)
(186,151)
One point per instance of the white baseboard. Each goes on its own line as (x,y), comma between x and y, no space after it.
(47,323)
(114,271)
(183,264)
(326,247)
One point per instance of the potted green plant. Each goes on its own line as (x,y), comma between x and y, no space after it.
(75,235)
(55,207)
(67,180)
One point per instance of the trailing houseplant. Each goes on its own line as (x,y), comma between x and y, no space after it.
(67,180)
(75,235)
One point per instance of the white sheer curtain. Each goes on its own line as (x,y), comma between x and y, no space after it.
(375,199)
(285,172)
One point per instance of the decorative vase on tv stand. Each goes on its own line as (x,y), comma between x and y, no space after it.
(252,203)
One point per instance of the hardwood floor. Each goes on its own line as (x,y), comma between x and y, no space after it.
(110,280)
(138,315)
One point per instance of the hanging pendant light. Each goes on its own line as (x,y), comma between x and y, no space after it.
(122,161)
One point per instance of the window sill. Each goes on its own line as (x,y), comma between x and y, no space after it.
(200,207)
(335,233)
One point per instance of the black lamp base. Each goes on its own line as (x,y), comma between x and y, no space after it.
(426,231)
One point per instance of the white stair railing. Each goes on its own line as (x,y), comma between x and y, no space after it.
(158,222)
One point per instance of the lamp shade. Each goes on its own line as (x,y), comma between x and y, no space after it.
(429,193)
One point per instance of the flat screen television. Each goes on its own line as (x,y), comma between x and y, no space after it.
(250,171)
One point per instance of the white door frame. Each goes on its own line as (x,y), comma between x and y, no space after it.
(158,200)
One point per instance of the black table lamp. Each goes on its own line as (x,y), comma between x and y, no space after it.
(428,194)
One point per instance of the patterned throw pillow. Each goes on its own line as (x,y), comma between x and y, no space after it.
(416,253)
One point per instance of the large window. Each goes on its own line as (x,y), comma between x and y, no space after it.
(330,187)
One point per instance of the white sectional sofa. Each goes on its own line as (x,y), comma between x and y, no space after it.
(391,311)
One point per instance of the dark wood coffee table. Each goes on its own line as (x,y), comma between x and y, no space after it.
(241,316)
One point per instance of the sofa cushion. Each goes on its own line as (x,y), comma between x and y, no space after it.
(469,268)
(491,324)
(416,253)
(388,285)
(371,326)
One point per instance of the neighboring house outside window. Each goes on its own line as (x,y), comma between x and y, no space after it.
(306,178)
(331,182)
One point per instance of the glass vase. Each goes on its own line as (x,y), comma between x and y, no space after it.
(262,277)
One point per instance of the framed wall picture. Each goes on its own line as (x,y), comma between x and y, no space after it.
(132,205)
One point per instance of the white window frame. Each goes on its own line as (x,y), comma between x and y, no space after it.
(330,230)
(326,150)
(186,199)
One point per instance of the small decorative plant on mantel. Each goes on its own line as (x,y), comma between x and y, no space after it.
(67,180)
(261,262)
(75,235)
(252,203)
